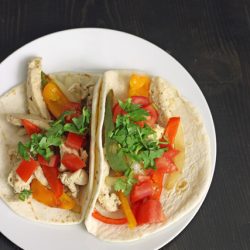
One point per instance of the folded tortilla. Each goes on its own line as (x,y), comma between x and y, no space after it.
(196,171)
(15,101)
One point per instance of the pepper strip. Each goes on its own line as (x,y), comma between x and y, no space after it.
(108,220)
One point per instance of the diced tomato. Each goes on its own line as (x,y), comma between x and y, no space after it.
(55,183)
(142,178)
(30,127)
(53,161)
(69,118)
(153,115)
(150,212)
(135,207)
(108,220)
(157,178)
(72,162)
(26,169)
(171,153)
(142,100)
(117,110)
(169,146)
(171,129)
(141,191)
(73,106)
(165,165)
(74,141)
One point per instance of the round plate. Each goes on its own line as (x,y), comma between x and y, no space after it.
(96,50)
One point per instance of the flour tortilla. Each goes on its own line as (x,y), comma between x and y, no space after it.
(196,169)
(15,101)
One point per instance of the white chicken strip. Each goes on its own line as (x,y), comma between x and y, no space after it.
(17,183)
(36,104)
(15,119)
(71,180)
(40,176)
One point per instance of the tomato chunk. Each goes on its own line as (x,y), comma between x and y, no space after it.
(55,183)
(53,161)
(30,127)
(72,162)
(171,153)
(165,165)
(153,115)
(117,110)
(150,212)
(142,100)
(74,141)
(141,191)
(108,220)
(157,178)
(26,169)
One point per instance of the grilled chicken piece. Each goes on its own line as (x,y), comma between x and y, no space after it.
(36,104)
(15,119)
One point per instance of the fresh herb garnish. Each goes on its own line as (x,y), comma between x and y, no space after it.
(23,151)
(42,143)
(24,195)
(138,143)
(79,124)
(125,184)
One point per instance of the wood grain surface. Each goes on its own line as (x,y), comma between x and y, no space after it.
(211,39)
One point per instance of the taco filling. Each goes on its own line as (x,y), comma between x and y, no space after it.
(50,162)
(141,154)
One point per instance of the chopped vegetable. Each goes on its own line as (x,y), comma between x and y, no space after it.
(51,174)
(165,165)
(79,124)
(43,194)
(141,191)
(171,129)
(74,141)
(53,162)
(139,85)
(150,212)
(141,100)
(30,127)
(126,183)
(72,162)
(108,220)
(54,98)
(67,202)
(24,195)
(127,210)
(152,117)
(23,151)
(26,169)
(117,110)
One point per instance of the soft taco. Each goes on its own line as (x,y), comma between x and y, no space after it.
(152,161)
(47,135)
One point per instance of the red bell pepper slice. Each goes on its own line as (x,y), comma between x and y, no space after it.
(171,129)
(53,161)
(30,127)
(55,183)
(72,162)
(26,169)
(74,141)
(108,220)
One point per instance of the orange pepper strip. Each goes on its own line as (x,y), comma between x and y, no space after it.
(171,129)
(108,220)
(66,202)
(43,194)
(139,85)
(54,98)
(127,210)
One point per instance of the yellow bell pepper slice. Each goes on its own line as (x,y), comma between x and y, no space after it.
(66,202)
(54,98)
(127,210)
(139,85)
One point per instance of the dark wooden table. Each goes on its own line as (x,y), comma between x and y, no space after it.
(211,39)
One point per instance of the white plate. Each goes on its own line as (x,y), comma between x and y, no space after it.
(99,50)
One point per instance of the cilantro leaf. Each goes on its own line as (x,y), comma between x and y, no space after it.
(24,195)
(23,151)
(125,184)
